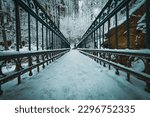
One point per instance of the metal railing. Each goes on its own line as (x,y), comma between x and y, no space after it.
(97,31)
(99,44)
(25,62)
(35,11)
(122,60)
(50,43)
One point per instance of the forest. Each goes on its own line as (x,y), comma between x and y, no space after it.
(72,17)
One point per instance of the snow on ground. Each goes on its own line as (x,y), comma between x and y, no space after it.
(74,76)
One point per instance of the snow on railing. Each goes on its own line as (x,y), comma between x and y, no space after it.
(15,64)
(124,60)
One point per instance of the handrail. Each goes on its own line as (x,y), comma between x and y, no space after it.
(134,53)
(10,55)
(122,60)
(15,74)
(121,67)
(33,59)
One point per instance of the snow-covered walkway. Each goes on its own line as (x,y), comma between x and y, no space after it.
(74,76)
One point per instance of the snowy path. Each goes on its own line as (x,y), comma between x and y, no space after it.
(74,76)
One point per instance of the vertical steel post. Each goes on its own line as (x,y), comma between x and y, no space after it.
(46,36)
(109,27)
(29,28)
(42,37)
(109,34)
(37,40)
(148,23)
(49,39)
(127,27)
(109,40)
(116,29)
(57,46)
(18,29)
(100,37)
(18,36)
(37,37)
(103,35)
(29,32)
(29,39)
(94,39)
(43,66)
(55,41)
(52,40)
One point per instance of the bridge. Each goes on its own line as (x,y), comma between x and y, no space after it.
(98,67)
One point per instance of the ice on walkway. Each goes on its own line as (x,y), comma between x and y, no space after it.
(74,76)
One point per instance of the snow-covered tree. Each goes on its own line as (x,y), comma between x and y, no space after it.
(74,28)
(6,23)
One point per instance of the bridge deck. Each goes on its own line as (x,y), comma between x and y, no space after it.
(74,76)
